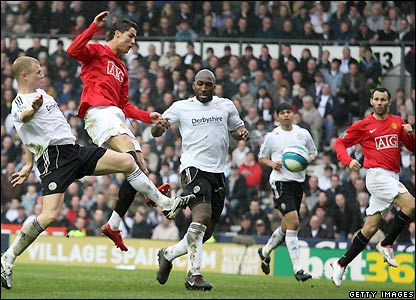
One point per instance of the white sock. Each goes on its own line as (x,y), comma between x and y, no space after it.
(274,241)
(292,244)
(29,232)
(195,236)
(179,249)
(114,221)
(141,183)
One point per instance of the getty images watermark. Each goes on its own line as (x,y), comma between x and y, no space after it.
(383,294)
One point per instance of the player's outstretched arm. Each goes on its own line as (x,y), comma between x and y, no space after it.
(99,20)
(20,177)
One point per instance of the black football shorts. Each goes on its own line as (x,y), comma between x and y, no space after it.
(60,165)
(207,187)
(287,195)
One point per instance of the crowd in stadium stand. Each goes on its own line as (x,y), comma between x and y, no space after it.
(327,94)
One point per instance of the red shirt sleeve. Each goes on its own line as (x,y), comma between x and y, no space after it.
(351,137)
(77,49)
(408,141)
(133,112)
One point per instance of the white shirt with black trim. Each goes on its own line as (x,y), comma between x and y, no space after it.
(47,127)
(204,128)
(274,144)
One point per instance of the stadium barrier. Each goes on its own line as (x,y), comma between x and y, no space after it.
(230,258)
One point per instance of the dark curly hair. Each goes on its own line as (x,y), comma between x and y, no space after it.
(121,25)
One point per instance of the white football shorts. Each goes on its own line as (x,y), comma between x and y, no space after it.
(103,122)
(384,186)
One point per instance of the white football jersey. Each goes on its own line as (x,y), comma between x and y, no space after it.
(47,127)
(204,128)
(274,144)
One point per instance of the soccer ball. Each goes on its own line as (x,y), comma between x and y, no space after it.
(295,158)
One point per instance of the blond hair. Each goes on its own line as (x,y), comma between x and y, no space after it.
(23,64)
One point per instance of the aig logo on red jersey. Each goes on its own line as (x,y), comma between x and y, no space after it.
(112,69)
(387,141)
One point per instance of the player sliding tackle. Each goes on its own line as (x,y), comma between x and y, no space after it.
(48,138)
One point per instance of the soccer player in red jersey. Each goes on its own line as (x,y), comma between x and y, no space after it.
(381,136)
(105,109)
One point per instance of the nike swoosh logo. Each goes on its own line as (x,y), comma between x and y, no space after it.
(372,130)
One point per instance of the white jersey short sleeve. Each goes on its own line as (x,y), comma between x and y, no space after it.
(204,128)
(274,144)
(47,127)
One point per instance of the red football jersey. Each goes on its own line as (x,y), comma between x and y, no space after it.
(380,140)
(104,76)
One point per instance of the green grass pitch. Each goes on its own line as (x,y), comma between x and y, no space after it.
(69,282)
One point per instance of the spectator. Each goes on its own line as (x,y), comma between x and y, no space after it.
(243,28)
(327,223)
(364,33)
(375,20)
(386,34)
(312,117)
(354,17)
(246,226)
(190,57)
(228,30)
(354,90)
(77,229)
(37,48)
(40,17)
(318,16)
(185,32)
(244,96)
(131,12)
(333,76)
(93,228)
(312,192)
(166,230)
(226,12)
(406,32)
(236,192)
(253,172)
(60,18)
(8,192)
(313,230)
(21,28)
(261,229)
(140,228)
(300,19)
(346,218)
(409,62)
(257,213)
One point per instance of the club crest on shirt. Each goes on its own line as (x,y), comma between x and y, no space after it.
(197,188)
(52,186)
(394,125)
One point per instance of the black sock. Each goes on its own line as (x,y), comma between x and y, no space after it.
(400,220)
(133,153)
(358,245)
(126,195)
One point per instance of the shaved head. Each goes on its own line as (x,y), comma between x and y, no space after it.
(205,74)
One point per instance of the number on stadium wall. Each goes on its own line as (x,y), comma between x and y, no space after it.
(386,60)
